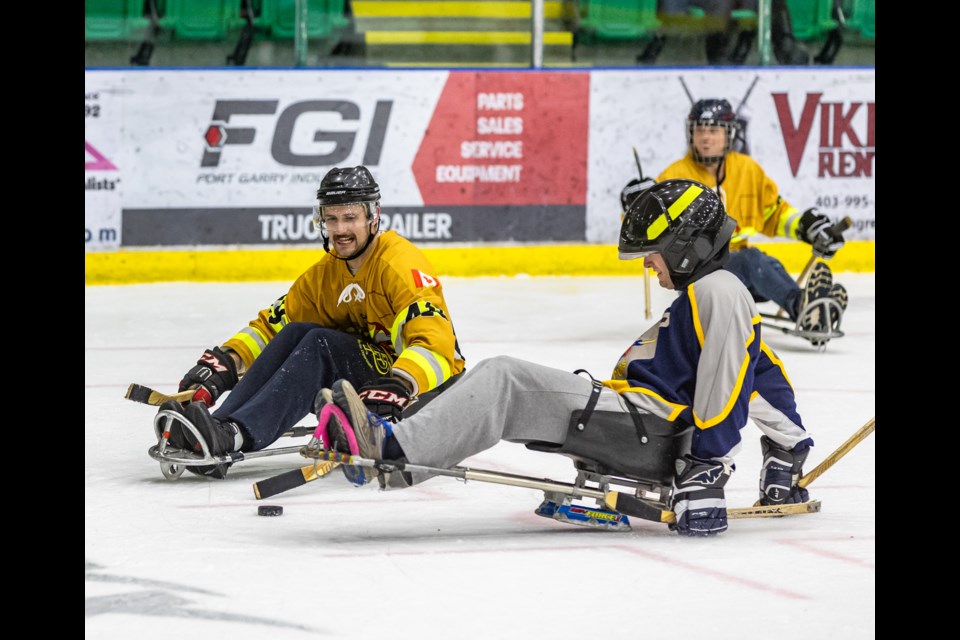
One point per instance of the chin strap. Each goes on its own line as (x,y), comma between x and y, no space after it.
(721,173)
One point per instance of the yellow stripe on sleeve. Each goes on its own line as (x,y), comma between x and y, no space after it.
(696,315)
(732,400)
(776,361)
(789,223)
(255,346)
(422,364)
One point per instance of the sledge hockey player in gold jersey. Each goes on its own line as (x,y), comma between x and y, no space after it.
(752,198)
(371,310)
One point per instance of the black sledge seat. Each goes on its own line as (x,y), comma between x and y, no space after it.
(610,444)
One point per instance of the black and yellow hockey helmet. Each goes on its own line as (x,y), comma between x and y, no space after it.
(682,220)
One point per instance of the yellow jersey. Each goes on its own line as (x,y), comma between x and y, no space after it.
(394,302)
(748,194)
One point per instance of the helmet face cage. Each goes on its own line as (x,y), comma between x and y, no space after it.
(347,185)
(372,209)
(712,113)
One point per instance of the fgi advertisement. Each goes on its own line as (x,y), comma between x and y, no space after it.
(234,157)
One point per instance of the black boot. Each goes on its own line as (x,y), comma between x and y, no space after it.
(221,438)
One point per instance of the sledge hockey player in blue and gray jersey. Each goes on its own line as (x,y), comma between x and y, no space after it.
(702,367)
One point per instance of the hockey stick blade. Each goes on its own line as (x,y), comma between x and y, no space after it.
(291,479)
(146,395)
(774,510)
(631,506)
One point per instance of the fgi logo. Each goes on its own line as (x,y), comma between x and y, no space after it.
(219,134)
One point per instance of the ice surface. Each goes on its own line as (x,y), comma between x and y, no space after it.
(191,558)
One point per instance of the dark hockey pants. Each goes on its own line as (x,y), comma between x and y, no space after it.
(280,387)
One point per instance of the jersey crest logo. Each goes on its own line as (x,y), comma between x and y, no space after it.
(423,280)
(350,293)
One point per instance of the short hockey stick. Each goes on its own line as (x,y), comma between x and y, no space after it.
(646,272)
(618,501)
(146,395)
(291,479)
(841,451)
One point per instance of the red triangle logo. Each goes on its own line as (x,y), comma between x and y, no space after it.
(99,162)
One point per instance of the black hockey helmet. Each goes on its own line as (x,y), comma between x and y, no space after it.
(712,112)
(348,185)
(682,220)
(633,190)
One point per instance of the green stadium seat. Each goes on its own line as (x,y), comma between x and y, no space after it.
(811,18)
(619,19)
(863,18)
(203,19)
(281,15)
(112,19)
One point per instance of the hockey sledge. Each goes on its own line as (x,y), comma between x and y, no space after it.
(173,461)
(826,306)
(829,307)
(637,453)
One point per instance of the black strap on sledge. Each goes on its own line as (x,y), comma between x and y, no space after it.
(592,403)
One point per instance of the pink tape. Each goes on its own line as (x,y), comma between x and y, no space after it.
(323,433)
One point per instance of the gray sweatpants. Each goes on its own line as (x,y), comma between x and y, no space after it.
(501,398)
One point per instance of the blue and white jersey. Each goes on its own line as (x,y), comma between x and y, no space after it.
(701,365)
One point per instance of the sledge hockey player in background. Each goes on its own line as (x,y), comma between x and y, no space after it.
(370,311)
(698,368)
(753,200)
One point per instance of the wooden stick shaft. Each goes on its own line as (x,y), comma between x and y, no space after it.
(646,293)
(841,451)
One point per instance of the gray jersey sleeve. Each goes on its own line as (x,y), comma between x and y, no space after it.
(723,316)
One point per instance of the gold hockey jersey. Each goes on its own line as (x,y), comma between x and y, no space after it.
(749,195)
(394,302)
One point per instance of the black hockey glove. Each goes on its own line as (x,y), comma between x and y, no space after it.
(697,498)
(817,229)
(214,374)
(386,397)
(633,190)
(780,473)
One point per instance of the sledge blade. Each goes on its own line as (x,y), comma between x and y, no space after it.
(584,516)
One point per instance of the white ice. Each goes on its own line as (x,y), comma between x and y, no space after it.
(191,558)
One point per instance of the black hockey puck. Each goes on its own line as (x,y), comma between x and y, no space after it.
(269,510)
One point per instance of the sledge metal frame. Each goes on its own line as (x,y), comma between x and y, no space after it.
(174,461)
(792,327)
